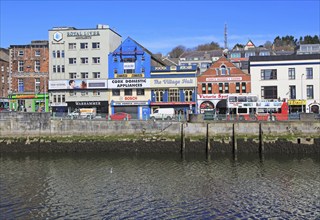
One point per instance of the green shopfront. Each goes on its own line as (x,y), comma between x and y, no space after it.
(29,102)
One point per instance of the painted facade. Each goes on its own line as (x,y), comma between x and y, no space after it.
(129,79)
(292,77)
(79,67)
(174,87)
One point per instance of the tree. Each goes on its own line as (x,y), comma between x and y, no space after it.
(268,45)
(210,46)
(177,51)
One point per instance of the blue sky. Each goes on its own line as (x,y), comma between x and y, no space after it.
(161,25)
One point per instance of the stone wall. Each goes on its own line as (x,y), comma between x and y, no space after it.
(38,132)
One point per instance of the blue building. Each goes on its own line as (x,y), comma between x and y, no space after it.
(174,87)
(129,79)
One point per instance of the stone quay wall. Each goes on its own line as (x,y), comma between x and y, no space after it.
(38,132)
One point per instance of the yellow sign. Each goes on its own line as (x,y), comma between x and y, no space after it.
(128,75)
(297,102)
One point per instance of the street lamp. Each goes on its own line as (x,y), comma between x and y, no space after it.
(302,92)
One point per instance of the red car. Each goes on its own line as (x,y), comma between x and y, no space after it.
(120,116)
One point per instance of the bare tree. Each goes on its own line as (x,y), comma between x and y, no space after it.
(177,51)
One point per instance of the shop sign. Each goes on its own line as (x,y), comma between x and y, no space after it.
(222,79)
(128,83)
(128,66)
(93,103)
(297,102)
(212,96)
(183,82)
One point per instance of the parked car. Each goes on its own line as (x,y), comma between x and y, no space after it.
(120,116)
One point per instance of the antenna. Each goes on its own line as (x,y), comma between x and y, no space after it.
(225,37)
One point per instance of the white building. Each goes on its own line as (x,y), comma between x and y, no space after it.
(78,67)
(292,77)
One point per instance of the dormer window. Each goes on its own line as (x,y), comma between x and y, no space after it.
(223,70)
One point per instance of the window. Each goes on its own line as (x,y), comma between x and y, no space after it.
(292,73)
(20,65)
(292,91)
(309,73)
(63,98)
(226,87)
(116,92)
(58,68)
(209,88)
(188,95)
(20,85)
(174,95)
(115,59)
(84,60)
(72,46)
(55,98)
(223,70)
(115,71)
(84,93)
(72,75)
(128,92)
(237,87)
(84,75)
(62,53)
(244,87)
(268,74)
(96,75)
(128,71)
(309,91)
(59,98)
(143,58)
(37,85)
(37,66)
(37,53)
(72,60)
(21,53)
(249,53)
(83,45)
(269,92)
(96,93)
(220,87)
(54,68)
(158,95)
(204,89)
(54,54)
(142,70)
(62,68)
(140,91)
(96,45)
(95,59)
(58,53)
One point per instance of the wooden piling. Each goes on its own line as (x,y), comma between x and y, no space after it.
(235,144)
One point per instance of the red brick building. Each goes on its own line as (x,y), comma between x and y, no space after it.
(4,71)
(219,80)
(29,72)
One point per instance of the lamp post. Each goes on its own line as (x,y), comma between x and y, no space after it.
(302,92)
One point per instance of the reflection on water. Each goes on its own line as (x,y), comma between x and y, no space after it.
(149,186)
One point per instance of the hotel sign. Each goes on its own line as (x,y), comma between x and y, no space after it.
(82,33)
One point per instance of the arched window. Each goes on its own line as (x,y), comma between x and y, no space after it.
(223,70)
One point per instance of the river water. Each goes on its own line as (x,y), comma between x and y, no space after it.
(159,186)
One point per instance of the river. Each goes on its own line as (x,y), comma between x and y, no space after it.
(159,186)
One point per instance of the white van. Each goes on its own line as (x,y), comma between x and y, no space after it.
(163,113)
(83,113)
